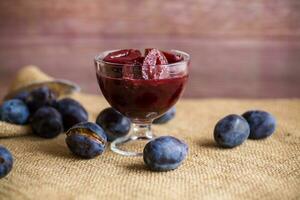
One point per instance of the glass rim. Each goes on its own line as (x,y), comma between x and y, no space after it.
(100,56)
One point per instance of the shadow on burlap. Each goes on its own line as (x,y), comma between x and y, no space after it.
(265,169)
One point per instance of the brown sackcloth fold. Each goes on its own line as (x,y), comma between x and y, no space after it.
(27,79)
(13,130)
(258,169)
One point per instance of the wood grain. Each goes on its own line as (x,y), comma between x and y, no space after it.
(131,18)
(238,48)
(219,67)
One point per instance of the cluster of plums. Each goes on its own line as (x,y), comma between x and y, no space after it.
(49,116)
(233,129)
(40,108)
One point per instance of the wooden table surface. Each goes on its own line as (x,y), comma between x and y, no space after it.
(239,48)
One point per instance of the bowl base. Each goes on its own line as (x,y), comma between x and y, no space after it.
(124,142)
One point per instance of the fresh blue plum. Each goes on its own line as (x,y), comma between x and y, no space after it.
(6,161)
(47,122)
(231,131)
(40,97)
(72,112)
(114,123)
(165,153)
(14,111)
(262,124)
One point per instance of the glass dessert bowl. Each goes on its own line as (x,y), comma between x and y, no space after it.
(141,87)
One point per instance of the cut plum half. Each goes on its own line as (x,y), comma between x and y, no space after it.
(154,65)
(172,58)
(125,56)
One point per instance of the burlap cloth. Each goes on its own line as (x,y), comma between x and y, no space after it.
(265,169)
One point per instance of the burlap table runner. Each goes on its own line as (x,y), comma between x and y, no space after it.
(265,169)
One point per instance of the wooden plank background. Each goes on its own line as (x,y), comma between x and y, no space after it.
(238,48)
